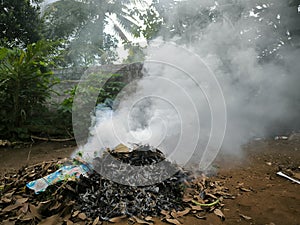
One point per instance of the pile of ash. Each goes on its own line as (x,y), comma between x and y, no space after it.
(93,198)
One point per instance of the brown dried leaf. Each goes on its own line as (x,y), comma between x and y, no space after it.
(52,220)
(9,194)
(8,222)
(56,206)
(211,195)
(96,221)
(75,213)
(69,222)
(190,191)
(24,208)
(165,213)
(12,207)
(187,199)
(27,217)
(245,217)
(245,189)
(121,149)
(219,213)
(183,213)
(6,200)
(201,217)
(149,218)
(140,221)
(174,214)
(296,175)
(34,211)
(44,206)
(117,219)
(82,216)
(22,200)
(196,207)
(173,221)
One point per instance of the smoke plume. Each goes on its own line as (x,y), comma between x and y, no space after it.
(242,55)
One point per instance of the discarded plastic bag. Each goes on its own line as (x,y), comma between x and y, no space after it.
(63,173)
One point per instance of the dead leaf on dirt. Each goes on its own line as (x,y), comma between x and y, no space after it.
(7,222)
(52,220)
(173,221)
(82,216)
(56,206)
(22,200)
(174,214)
(196,207)
(149,218)
(24,208)
(165,213)
(187,199)
(140,221)
(34,210)
(27,217)
(69,222)
(219,213)
(117,219)
(198,199)
(211,195)
(296,175)
(9,194)
(245,217)
(182,213)
(6,200)
(190,191)
(75,213)
(121,149)
(12,207)
(200,217)
(44,206)
(96,221)
(245,189)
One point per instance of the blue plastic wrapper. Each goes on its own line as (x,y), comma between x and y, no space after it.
(65,172)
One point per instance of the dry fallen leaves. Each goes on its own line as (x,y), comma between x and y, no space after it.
(173,221)
(182,213)
(245,217)
(140,221)
(82,216)
(12,207)
(52,220)
(219,213)
(117,219)
(96,221)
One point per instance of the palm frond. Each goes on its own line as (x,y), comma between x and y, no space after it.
(119,31)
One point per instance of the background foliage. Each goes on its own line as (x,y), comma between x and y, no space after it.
(25,84)
(71,34)
(19,22)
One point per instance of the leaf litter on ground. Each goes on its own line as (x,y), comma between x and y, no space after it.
(94,198)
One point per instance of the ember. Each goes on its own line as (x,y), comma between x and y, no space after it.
(94,198)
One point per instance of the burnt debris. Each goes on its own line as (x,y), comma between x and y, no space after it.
(96,198)
(99,196)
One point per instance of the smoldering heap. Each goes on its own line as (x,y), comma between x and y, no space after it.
(92,199)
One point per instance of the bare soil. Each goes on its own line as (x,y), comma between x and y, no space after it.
(259,192)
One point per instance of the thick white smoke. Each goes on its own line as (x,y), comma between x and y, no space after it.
(178,106)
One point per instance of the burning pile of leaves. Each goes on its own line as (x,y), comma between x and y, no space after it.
(92,199)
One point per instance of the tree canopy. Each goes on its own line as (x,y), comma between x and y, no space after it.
(19,22)
(82,24)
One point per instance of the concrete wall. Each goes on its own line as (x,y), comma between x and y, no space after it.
(70,78)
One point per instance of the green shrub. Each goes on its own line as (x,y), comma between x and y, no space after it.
(25,84)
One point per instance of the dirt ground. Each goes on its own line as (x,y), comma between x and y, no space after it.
(259,192)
